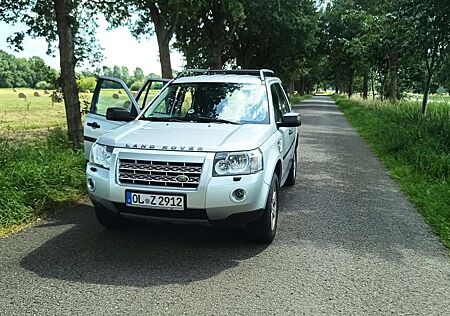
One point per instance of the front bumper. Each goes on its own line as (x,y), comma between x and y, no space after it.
(211,202)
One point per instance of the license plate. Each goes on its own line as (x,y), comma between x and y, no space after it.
(159,201)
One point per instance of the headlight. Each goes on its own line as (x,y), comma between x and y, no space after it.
(237,163)
(101,155)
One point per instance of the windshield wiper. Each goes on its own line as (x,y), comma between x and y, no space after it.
(162,119)
(213,120)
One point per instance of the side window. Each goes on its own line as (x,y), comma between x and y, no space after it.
(276,103)
(111,95)
(285,108)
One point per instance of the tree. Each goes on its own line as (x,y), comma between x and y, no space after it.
(430,32)
(205,32)
(59,21)
(279,36)
(138,74)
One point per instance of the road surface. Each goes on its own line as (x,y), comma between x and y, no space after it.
(348,243)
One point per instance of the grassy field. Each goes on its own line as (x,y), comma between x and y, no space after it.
(415,149)
(30,113)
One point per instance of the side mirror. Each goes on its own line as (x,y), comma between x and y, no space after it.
(291,119)
(118,114)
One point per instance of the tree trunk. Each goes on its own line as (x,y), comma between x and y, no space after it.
(426,91)
(163,37)
(351,79)
(67,64)
(383,86)
(373,86)
(393,60)
(365,84)
(216,56)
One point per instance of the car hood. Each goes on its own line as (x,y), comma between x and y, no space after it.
(187,136)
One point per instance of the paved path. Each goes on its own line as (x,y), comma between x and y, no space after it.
(348,243)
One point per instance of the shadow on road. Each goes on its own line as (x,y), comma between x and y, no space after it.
(147,255)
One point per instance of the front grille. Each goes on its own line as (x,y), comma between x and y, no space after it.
(159,173)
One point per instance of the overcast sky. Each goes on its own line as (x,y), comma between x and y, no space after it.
(120,48)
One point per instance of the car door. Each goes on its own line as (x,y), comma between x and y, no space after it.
(112,92)
(149,90)
(281,107)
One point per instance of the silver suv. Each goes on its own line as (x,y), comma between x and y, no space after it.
(211,147)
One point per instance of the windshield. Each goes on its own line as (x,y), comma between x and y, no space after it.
(211,102)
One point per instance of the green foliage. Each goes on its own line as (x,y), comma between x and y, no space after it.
(87,84)
(415,149)
(38,175)
(42,85)
(21,72)
(136,85)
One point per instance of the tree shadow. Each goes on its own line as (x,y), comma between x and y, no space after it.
(146,255)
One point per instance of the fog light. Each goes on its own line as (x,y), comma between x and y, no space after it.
(238,195)
(91,184)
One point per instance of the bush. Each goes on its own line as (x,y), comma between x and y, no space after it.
(38,175)
(42,85)
(136,85)
(87,84)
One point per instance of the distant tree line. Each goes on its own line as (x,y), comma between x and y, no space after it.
(34,73)
(23,72)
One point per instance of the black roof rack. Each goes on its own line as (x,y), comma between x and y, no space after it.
(261,73)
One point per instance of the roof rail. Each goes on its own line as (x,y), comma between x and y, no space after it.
(262,73)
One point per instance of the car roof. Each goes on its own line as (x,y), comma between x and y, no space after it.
(220,78)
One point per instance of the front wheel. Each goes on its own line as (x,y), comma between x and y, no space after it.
(293,171)
(264,229)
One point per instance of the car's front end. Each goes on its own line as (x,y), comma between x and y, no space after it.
(203,187)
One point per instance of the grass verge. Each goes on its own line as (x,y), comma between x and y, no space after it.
(297,98)
(415,149)
(36,177)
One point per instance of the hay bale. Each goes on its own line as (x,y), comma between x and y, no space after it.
(115,96)
(14,89)
(87,91)
(36,94)
(46,91)
(22,95)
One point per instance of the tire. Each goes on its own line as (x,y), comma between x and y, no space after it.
(110,220)
(293,171)
(264,229)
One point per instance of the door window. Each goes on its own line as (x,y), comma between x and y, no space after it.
(284,103)
(277,103)
(111,94)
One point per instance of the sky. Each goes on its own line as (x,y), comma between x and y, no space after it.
(130,52)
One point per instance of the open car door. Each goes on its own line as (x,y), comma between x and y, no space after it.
(114,93)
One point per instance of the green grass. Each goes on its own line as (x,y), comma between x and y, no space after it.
(297,98)
(415,149)
(37,176)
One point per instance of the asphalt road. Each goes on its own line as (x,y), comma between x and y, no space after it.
(348,243)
